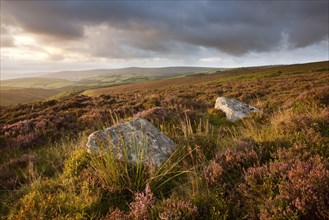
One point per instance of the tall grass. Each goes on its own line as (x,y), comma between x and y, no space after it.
(133,174)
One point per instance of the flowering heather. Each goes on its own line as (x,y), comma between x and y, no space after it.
(213,172)
(18,128)
(177,209)
(95,116)
(228,165)
(139,208)
(288,189)
(141,204)
(117,214)
(156,114)
(297,151)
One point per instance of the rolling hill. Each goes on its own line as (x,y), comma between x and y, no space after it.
(38,83)
(162,72)
(24,90)
(231,75)
(97,82)
(22,95)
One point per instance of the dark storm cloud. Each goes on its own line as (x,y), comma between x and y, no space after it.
(232,27)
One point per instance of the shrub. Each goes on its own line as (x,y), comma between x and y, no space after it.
(79,160)
(140,207)
(151,101)
(177,209)
(292,189)
(143,201)
(117,214)
(302,194)
(156,114)
(55,198)
(227,166)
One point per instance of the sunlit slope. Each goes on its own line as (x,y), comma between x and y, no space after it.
(127,73)
(40,83)
(15,96)
(250,74)
(32,89)
(80,80)
(26,90)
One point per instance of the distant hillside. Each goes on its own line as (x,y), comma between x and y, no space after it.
(24,90)
(163,72)
(231,75)
(15,96)
(97,82)
(38,82)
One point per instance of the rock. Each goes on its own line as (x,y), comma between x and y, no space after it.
(233,108)
(136,140)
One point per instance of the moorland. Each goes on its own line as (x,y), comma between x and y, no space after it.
(271,165)
(49,86)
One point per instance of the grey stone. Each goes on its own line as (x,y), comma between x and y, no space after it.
(233,108)
(135,140)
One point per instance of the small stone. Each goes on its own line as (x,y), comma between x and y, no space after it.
(233,108)
(135,140)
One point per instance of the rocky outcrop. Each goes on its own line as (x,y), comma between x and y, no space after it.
(233,108)
(136,140)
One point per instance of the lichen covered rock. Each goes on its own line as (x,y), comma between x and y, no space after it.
(233,108)
(135,140)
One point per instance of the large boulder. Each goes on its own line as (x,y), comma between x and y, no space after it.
(135,140)
(233,108)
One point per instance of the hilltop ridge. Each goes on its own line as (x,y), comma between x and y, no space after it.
(157,71)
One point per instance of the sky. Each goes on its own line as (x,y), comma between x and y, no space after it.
(39,37)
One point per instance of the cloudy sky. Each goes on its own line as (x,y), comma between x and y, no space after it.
(48,36)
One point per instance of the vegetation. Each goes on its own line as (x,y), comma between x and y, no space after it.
(23,90)
(164,72)
(12,96)
(271,165)
(38,82)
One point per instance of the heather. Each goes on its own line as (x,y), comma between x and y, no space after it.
(271,165)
